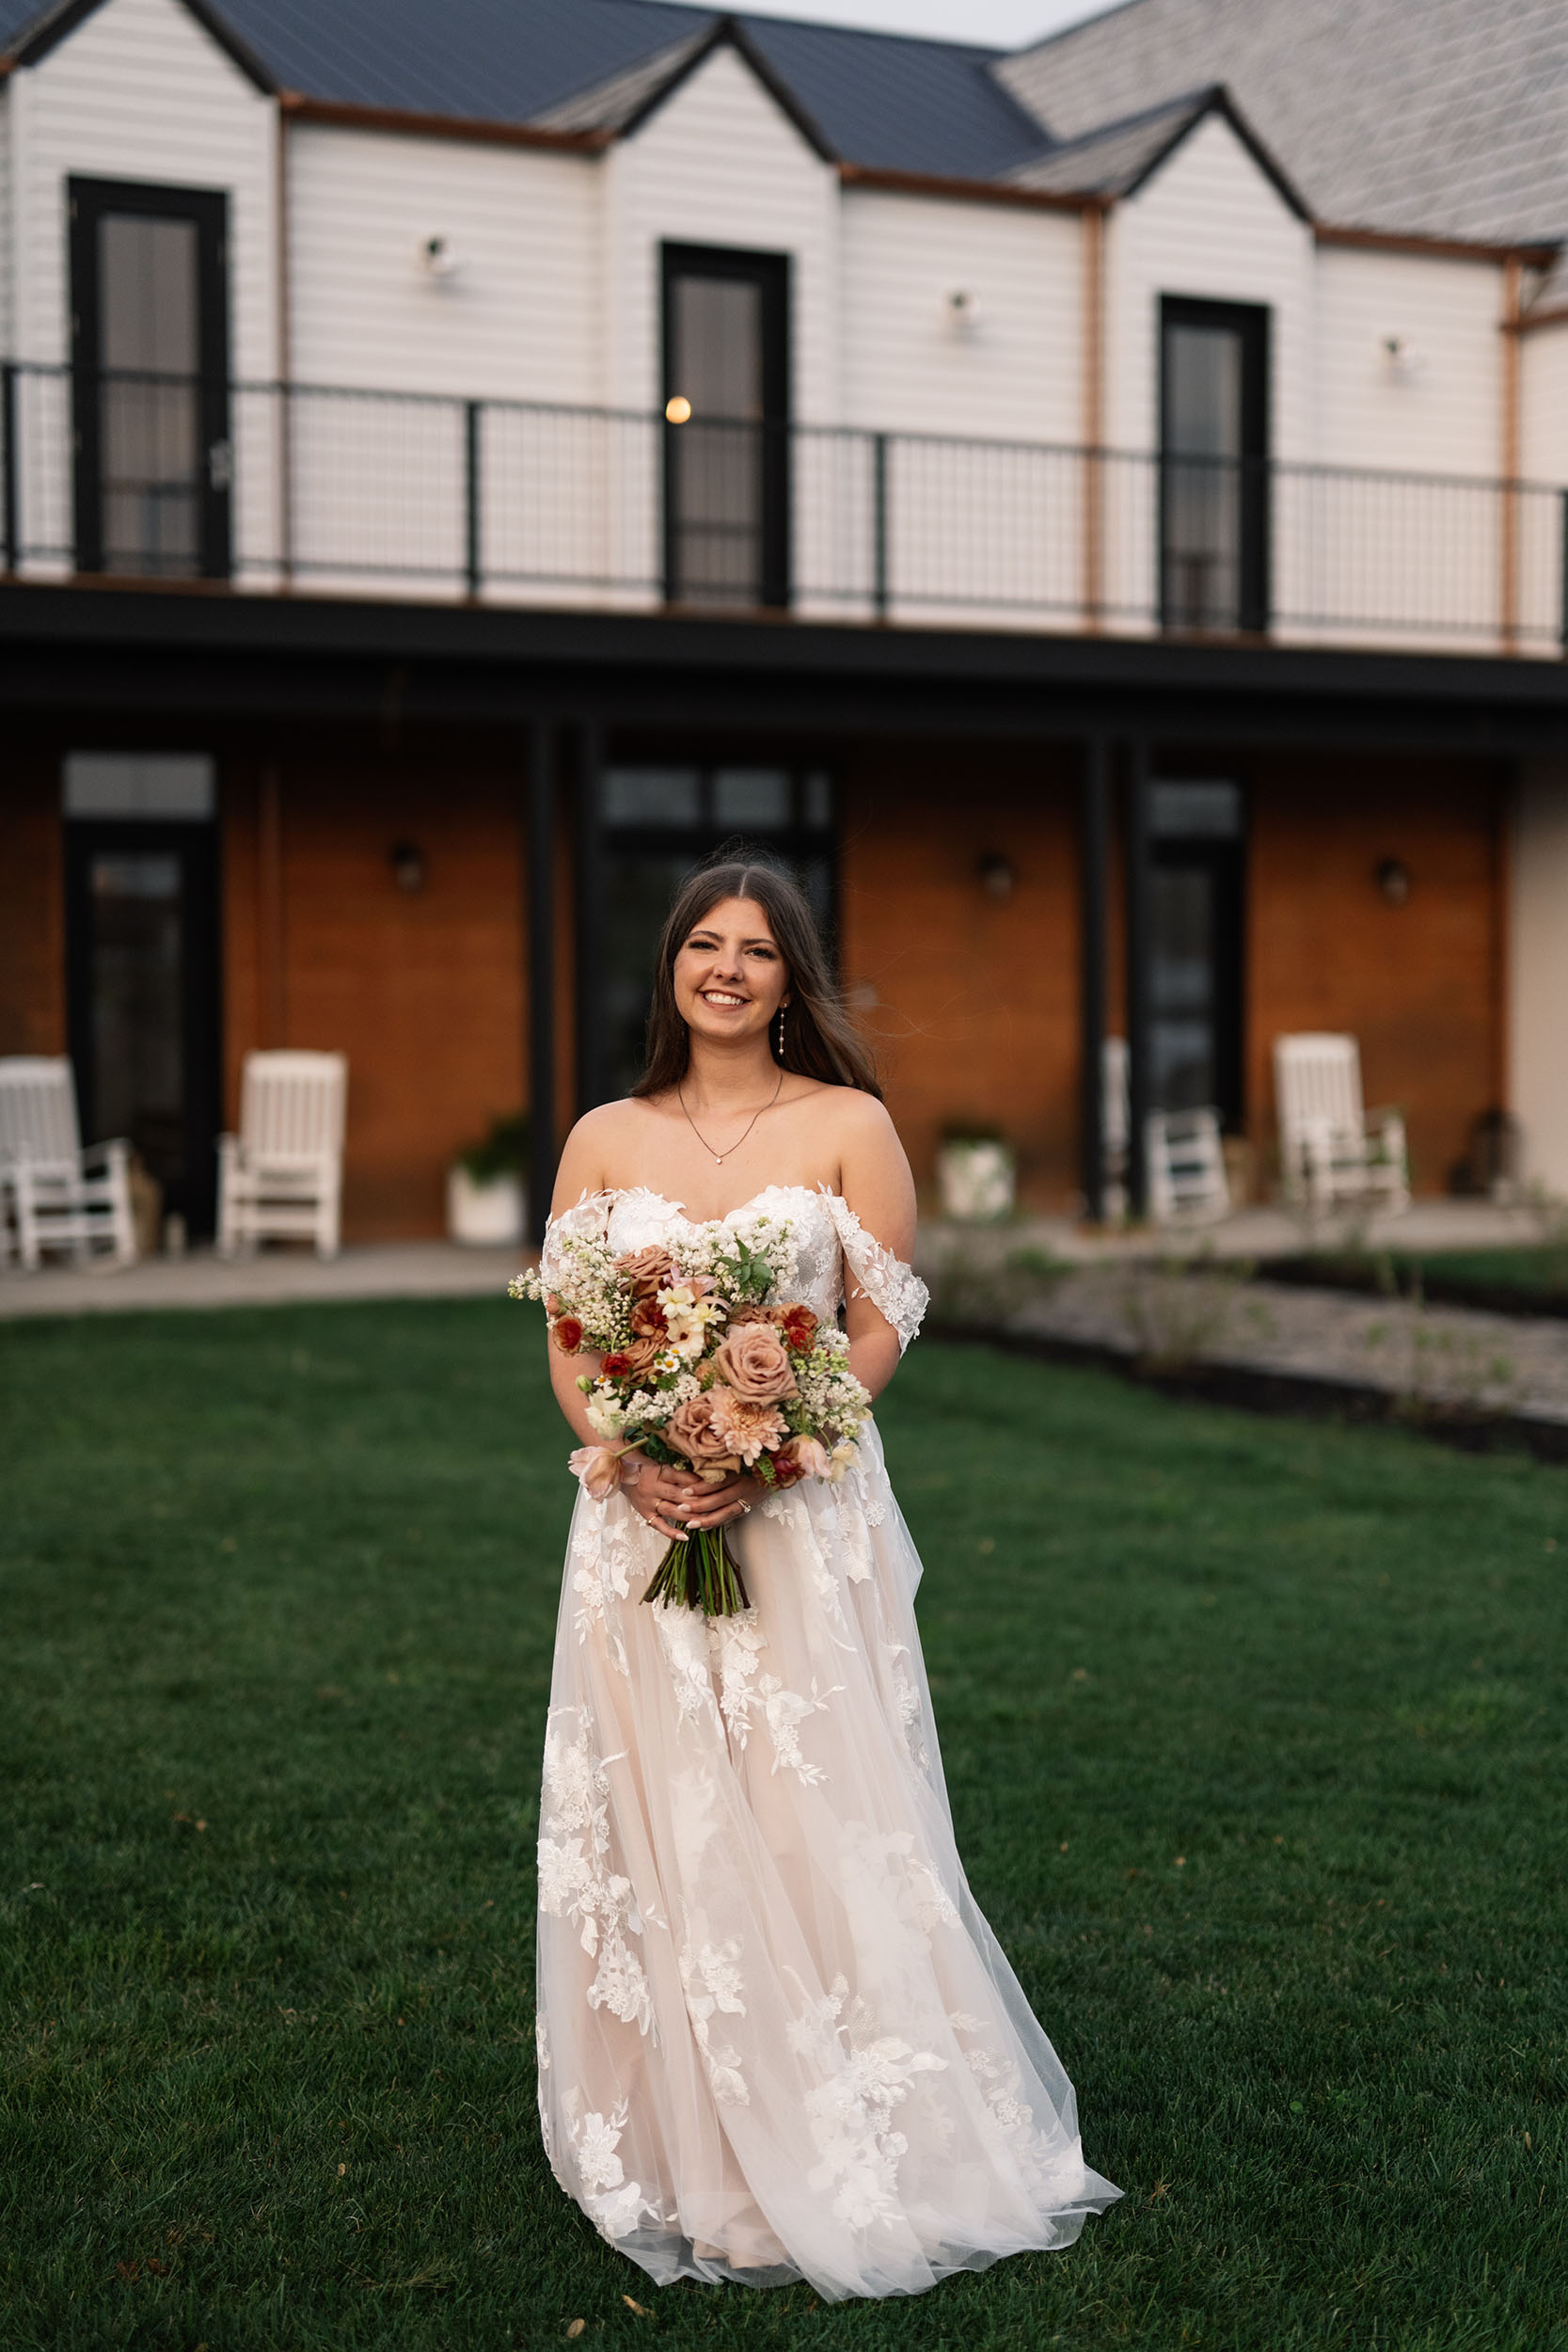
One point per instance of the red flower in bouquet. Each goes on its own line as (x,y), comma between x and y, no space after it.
(566,1331)
(798,1325)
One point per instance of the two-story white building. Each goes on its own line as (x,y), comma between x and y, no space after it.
(1099,511)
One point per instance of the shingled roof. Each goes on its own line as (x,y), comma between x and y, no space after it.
(1436,117)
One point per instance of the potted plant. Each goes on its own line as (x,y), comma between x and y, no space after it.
(487,1203)
(976,1171)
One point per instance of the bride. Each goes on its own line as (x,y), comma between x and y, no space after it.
(777,2039)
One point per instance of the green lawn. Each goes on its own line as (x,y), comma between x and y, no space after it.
(1256,1732)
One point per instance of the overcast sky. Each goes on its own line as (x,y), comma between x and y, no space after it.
(993,24)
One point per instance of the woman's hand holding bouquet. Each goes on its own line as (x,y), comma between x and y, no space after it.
(704,1381)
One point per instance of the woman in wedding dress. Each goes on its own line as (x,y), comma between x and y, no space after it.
(777,2039)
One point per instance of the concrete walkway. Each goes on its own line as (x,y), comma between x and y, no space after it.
(440,1269)
(403,1269)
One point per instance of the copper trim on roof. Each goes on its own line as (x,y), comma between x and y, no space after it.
(1432,248)
(350,117)
(970,191)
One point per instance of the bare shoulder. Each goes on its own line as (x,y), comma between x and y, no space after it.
(859,1123)
(598,1149)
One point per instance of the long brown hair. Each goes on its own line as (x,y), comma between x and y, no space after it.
(820,1040)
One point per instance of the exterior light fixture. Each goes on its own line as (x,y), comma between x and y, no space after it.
(963,310)
(1393,880)
(406,859)
(677,410)
(996,876)
(439,257)
(1401,362)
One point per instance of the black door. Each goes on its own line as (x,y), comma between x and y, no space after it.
(1213,466)
(727,432)
(657,824)
(1196,950)
(150,346)
(142,950)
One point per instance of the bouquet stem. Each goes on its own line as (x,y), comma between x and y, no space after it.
(700,1571)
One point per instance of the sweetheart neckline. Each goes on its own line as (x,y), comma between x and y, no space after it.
(649,1192)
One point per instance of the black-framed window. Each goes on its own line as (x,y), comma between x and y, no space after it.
(1195,923)
(150,352)
(143,1009)
(657,822)
(726,432)
(1214,464)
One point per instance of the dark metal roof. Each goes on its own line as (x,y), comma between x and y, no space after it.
(878,99)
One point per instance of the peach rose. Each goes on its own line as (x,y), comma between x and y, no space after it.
(647,1270)
(753,1362)
(631,1361)
(747,1425)
(691,1430)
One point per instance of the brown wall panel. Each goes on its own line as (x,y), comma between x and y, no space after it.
(1417,983)
(423,991)
(32,905)
(976,999)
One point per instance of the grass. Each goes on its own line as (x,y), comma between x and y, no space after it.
(1256,1734)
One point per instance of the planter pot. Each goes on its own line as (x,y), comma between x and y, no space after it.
(977,1180)
(484,1215)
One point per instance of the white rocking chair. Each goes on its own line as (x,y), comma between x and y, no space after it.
(1331,1149)
(281,1177)
(1187,1182)
(63,1196)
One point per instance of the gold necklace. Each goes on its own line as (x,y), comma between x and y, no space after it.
(719,1157)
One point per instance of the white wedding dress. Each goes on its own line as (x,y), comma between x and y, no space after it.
(777,2039)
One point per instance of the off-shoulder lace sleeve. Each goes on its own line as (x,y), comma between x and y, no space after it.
(894,1289)
(585,1220)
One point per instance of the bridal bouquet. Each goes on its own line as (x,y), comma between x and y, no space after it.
(703,1368)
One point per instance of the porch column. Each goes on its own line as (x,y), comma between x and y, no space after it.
(1094,833)
(1139,1075)
(590,920)
(541,977)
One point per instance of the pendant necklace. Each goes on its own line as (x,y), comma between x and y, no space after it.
(719,1157)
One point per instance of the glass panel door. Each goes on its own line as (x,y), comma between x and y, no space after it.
(727,438)
(143,999)
(1214,484)
(150,395)
(1195,975)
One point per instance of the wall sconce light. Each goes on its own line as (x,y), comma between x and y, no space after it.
(1401,362)
(440,258)
(996,876)
(963,311)
(406,859)
(677,410)
(1393,880)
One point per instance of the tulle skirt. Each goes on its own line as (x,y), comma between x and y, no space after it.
(777,2039)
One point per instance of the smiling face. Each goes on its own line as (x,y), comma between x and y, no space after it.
(729,976)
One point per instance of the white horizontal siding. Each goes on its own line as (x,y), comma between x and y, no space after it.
(1437,409)
(8,324)
(1544,403)
(519,319)
(720,163)
(139,91)
(1538,973)
(1017,374)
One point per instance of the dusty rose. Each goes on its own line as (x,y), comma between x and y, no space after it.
(746,1426)
(599,1466)
(753,1363)
(647,1270)
(647,1319)
(691,1431)
(566,1331)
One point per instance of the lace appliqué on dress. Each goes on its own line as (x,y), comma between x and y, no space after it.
(851,2114)
(711,1981)
(614,2204)
(575,1878)
(894,1289)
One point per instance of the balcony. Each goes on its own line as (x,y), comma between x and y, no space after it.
(272,489)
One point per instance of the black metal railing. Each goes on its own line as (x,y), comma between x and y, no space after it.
(335,489)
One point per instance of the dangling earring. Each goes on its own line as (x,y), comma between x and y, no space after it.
(781,1030)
